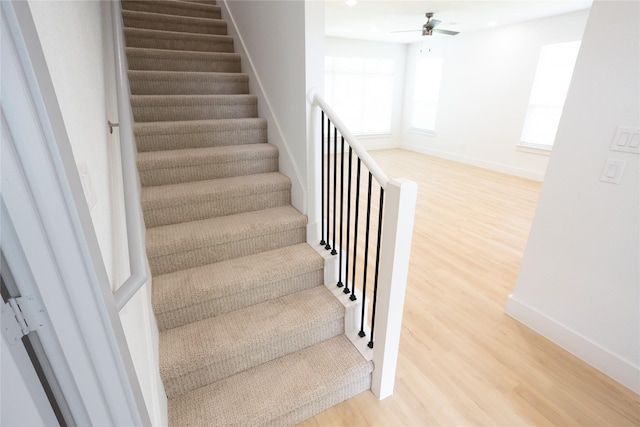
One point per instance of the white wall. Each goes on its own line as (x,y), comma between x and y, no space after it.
(77,42)
(72,41)
(579,283)
(486,82)
(396,52)
(270,36)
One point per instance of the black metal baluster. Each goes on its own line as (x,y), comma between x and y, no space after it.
(366,258)
(355,225)
(375,286)
(346,283)
(335,180)
(322,242)
(346,268)
(327,246)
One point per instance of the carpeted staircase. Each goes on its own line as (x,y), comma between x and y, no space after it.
(249,334)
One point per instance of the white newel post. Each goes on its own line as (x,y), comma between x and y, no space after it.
(314,157)
(397,229)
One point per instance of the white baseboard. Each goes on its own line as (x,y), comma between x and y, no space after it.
(376,143)
(621,370)
(498,167)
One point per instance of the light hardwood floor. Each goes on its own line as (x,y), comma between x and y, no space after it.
(463,362)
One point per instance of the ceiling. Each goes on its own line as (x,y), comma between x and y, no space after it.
(378,19)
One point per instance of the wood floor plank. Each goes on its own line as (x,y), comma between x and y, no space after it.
(462,360)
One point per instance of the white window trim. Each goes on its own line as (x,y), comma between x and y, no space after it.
(413,126)
(531,148)
(541,147)
(421,131)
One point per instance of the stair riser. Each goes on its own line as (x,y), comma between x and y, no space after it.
(232,302)
(216,208)
(226,250)
(133,19)
(151,41)
(174,8)
(150,178)
(182,85)
(191,108)
(182,61)
(249,359)
(193,135)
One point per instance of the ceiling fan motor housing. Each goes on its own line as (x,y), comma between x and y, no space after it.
(427,28)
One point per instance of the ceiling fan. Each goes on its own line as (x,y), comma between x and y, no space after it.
(430,27)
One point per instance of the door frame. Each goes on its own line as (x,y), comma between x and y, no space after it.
(24,400)
(47,234)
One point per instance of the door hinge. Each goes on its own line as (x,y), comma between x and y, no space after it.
(20,316)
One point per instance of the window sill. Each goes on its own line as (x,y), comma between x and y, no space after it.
(531,149)
(372,135)
(427,132)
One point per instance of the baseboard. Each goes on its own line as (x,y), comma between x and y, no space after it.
(376,142)
(498,167)
(600,358)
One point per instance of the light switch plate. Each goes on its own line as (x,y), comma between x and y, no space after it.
(87,187)
(612,171)
(626,140)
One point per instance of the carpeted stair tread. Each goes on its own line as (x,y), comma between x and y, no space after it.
(152,108)
(201,1)
(283,391)
(200,353)
(145,82)
(193,201)
(173,135)
(155,160)
(176,60)
(174,7)
(194,294)
(187,24)
(192,244)
(197,164)
(172,40)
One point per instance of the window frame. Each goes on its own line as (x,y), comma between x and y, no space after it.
(537,98)
(366,72)
(430,128)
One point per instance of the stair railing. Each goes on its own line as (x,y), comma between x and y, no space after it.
(341,212)
(133,213)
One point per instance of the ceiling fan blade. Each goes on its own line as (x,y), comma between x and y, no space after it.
(432,24)
(447,32)
(404,31)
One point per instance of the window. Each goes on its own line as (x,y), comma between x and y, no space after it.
(550,86)
(360,90)
(425,96)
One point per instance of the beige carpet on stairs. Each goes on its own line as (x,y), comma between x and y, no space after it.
(249,334)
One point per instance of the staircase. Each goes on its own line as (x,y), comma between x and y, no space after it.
(249,334)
